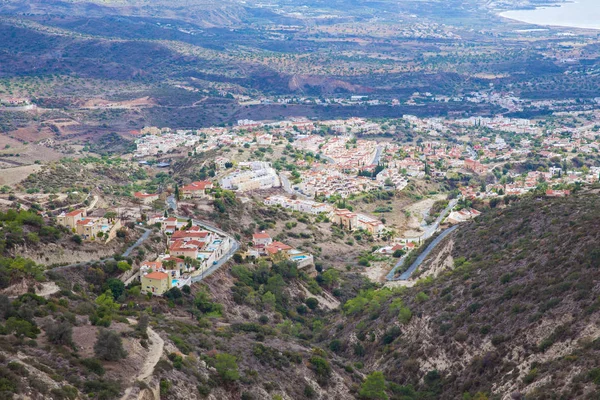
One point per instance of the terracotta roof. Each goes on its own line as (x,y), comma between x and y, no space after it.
(198,185)
(157,275)
(74,213)
(152,264)
(276,247)
(188,234)
(141,195)
(261,235)
(84,221)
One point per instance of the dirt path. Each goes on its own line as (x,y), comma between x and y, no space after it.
(48,289)
(154,353)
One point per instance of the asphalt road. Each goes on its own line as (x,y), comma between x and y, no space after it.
(429,231)
(233,244)
(413,267)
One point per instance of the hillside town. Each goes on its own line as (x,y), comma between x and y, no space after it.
(332,162)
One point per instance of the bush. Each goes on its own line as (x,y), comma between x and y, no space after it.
(404,315)
(421,297)
(94,365)
(64,393)
(391,334)
(335,345)
(103,389)
(21,328)
(312,303)
(123,266)
(142,325)
(373,387)
(109,346)
(309,392)
(398,253)
(320,366)
(227,367)
(60,333)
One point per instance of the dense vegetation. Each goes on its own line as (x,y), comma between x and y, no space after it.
(22,228)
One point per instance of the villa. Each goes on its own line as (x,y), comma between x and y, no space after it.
(157,283)
(145,198)
(89,228)
(196,190)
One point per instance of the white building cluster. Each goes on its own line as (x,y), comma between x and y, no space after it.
(253,175)
(305,206)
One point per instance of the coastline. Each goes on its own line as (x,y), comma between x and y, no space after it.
(532,16)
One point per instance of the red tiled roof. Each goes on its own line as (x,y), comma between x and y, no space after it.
(141,195)
(261,235)
(188,234)
(276,247)
(74,213)
(199,185)
(152,264)
(157,275)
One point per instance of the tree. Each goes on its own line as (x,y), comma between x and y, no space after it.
(109,346)
(321,367)
(269,300)
(116,286)
(398,253)
(312,303)
(331,277)
(123,266)
(106,306)
(227,368)
(21,328)
(373,387)
(59,333)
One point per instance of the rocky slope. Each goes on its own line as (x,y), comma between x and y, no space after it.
(516,316)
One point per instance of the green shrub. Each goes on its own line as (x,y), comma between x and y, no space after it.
(94,365)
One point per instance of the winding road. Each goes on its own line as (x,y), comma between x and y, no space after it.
(413,267)
(428,232)
(230,240)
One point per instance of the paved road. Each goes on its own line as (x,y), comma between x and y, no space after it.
(234,246)
(472,153)
(287,187)
(171,202)
(230,240)
(429,230)
(377,155)
(406,274)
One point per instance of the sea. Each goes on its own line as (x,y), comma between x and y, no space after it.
(577,14)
